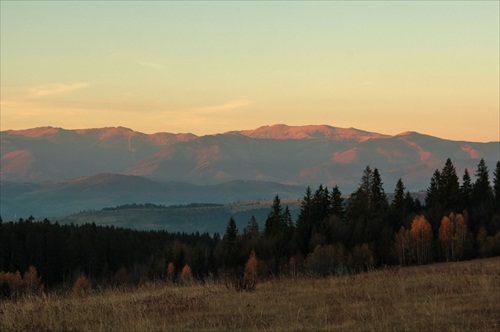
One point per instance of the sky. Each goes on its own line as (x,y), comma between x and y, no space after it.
(212,67)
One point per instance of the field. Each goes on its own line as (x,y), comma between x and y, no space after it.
(437,297)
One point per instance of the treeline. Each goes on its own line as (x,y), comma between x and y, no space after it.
(331,235)
(135,206)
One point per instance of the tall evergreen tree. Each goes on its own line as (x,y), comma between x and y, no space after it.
(482,199)
(397,203)
(400,206)
(433,202)
(466,192)
(276,233)
(449,188)
(304,223)
(321,206)
(496,187)
(252,228)
(274,222)
(337,203)
(378,196)
(230,244)
(432,197)
(482,191)
(367,207)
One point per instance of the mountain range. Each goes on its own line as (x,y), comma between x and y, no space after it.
(119,165)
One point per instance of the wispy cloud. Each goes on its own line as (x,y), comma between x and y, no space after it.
(55,89)
(151,65)
(142,61)
(228,106)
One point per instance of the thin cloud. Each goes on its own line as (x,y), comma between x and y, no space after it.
(138,60)
(55,89)
(228,106)
(151,65)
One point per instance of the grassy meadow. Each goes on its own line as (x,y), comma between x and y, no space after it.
(437,297)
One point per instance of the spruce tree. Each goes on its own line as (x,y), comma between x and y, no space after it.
(496,187)
(466,192)
(337,203)
(432,198)
(433,202)
(482,199)
(378,197)
(252,228)
(276,233)
(230,243)
(398,205)
(482,192)
(274,223)
(304,223)
(449,188)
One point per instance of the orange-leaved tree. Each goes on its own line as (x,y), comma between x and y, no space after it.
(81,286)
(251,271)
(32,281)
(421,233)
(171,271)
(452,235)
(186,274)
(11,284)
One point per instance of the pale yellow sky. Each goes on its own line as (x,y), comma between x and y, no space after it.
(211,67)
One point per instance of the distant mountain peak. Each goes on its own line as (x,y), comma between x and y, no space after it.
(36,132)
(283,131)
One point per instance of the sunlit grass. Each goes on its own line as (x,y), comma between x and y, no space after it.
(439,297)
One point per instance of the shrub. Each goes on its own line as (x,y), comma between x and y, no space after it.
(81,286)
(186,276)
(11,284)
(31,281)
(171,271)
(251,270)
(120,276)
(326,260)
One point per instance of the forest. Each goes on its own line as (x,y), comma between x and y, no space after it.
(333,234)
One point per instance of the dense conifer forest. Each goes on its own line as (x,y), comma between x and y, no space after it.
(459,220)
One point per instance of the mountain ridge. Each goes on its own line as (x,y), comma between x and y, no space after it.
(301,155)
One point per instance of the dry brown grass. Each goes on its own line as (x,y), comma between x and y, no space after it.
(440,297)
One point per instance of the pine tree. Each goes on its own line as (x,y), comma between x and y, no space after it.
(466,192)
(432,198)
(482,192)
(482,200)
(449,188)
(433,201)
(398,205)
(231,245)
(304,223)
(274,223)
(276,233)
(337,203)
(496,187)
(320,207)
(252,229)
(378,197)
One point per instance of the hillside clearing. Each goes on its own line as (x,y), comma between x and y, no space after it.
(446,296)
